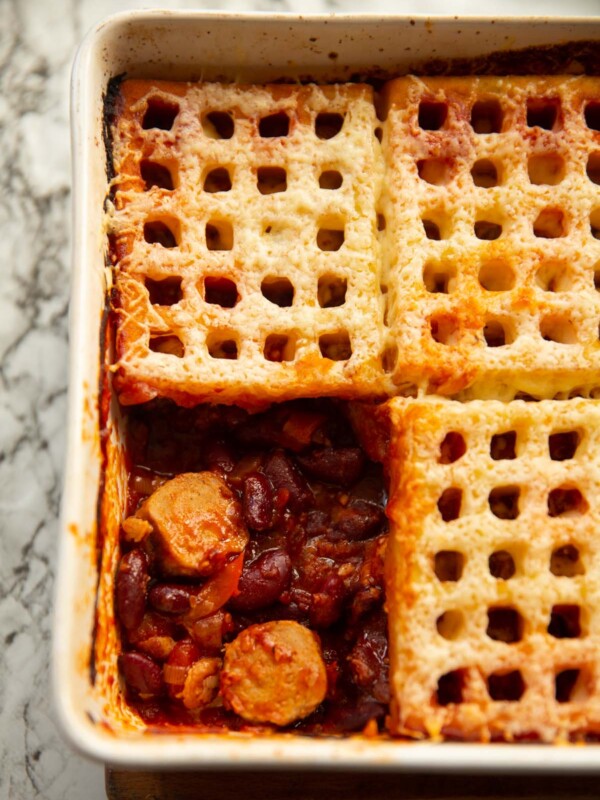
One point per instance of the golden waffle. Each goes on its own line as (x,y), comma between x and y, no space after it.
(494,568)
(245,238)
(492,251)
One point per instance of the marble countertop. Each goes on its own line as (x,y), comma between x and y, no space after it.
(37,43)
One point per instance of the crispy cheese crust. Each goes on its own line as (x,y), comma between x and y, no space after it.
(492,249)
(245,239)
(492,578)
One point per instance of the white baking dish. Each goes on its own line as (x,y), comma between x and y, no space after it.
(245,47)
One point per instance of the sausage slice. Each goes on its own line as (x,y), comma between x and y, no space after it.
(197,523)
(274,672)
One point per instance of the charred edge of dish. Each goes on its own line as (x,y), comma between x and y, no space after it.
(566,58)
(111,108)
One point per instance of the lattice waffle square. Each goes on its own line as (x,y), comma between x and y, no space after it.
(494,568)
(245,238)
(492,245)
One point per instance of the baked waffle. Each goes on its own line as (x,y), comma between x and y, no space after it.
(492,251)
(492,578)
(245,239)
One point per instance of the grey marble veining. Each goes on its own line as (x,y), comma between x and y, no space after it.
(37,43)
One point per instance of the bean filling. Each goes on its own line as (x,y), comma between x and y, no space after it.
(298,515)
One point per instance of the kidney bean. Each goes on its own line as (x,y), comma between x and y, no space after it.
(141,673)
(359,520)
(258,502)
(342,466)
(368,659)
(171,598)
(282,473)
(262,581)
(131,586)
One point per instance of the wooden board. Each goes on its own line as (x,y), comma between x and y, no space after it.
(129,785)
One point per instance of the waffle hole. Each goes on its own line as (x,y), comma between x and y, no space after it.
(330,179)
(222,345)
(450,688)
(571,686)
(487,116)
(168,345)
(432,116)
(155,174)
(274,126)
(335,346)
(565,622)
(547,170)
(504,502)
(543,112)
(219,235)
(449,503)
(432,230)
(565,561)
(330,239)
(507,686)
(497,333)
(452,448)
(162,232)
(504,625)
(379,134)
(445,329)
(217,180)
(563,445)
(220,292)
(592,115)
(485,173)
(595,223)
(503,446)
(439,278)
(164,293)
(331,291)
(450,624)
(496,276)
(279,347)
(448,565)
(437,171)
(501,565)
(271,180)
(550,224)
(558,329)
(554,276)
(593,167)
(389,358)
(218,125)
(566,501)
(381,222)
(159,114)
(279,291)
(328,125)
(486,230)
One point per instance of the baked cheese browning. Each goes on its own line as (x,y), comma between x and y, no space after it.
(493,581)
(492,242)
(244,232)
